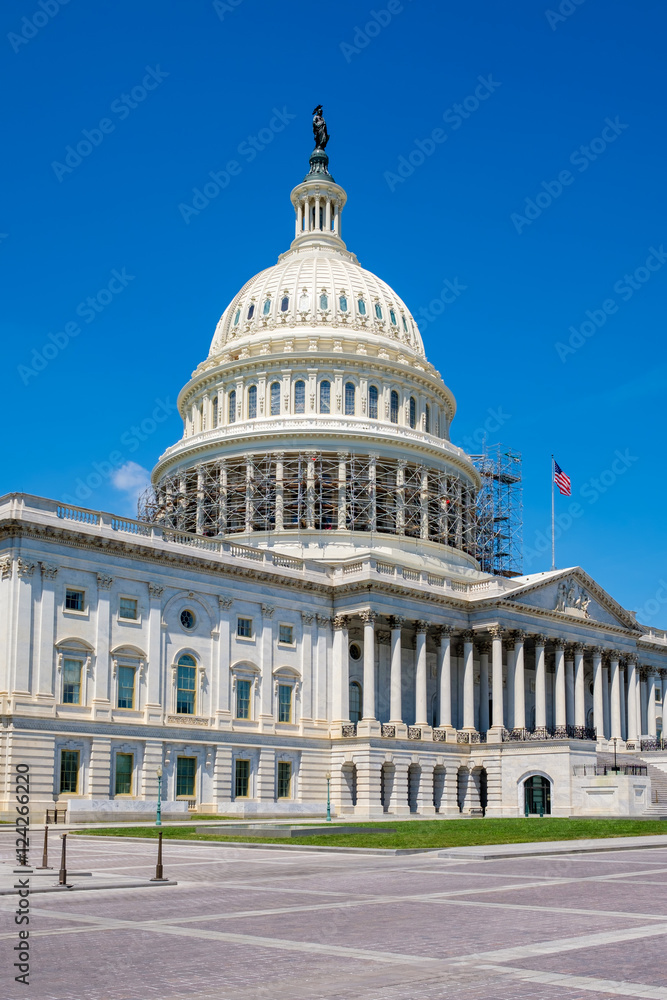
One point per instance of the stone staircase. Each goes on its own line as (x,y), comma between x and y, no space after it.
(658,807)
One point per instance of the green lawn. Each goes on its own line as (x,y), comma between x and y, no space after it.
(429,833)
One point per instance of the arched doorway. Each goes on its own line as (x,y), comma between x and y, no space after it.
(414,776)
(537,795)
(349,773)
(438,787)
(386,785)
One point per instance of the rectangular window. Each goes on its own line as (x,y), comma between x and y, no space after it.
(242,779)
(72,682)
(658,694)
(124,766)
(244,628)
(284,779)
(74,600)
(284,703)
(128,608)
(185,690)
(242,699)
(126,687)
(69,771)
(286,634)
(186,768)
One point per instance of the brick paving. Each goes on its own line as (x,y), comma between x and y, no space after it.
(250,925)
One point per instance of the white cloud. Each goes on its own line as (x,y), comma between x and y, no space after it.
(131,479)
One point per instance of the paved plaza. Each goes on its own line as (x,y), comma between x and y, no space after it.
(288,925)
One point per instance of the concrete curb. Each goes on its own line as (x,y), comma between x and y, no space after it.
(144,884)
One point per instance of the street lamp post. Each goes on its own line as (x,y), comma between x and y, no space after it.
(158,818)
(328,777)
(614,742)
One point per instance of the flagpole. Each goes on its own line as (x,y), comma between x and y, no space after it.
(553,522)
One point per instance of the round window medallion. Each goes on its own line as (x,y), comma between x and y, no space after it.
(187,619)
(355,651)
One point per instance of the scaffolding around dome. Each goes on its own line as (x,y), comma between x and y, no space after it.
(499,509)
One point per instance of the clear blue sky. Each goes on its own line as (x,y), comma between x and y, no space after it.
(217,71)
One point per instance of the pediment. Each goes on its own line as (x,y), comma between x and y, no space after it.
(573,593)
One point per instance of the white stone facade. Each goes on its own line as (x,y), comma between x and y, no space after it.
(301,596)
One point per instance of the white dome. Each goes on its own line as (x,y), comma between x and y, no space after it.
(292,293)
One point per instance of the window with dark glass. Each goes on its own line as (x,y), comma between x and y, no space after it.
(378,310)
(325,397)
(127,608)
(361,306)
(405,325)
(300,396)
(349,399)
(214,419)
(267,307)
(286,634)
(392,317)
(393,407)
(284,779)
(275,399)
(125,687)
(243,688)
(324,301)
(69,771)
(252,402)
(237,317)
(413,412)
(124,766)
(284,303)
(232,407)
(244,628)
(427,419)
(74,600)
(373,402)
(284,703)
(186,674)
(188,620)
(186,769)
(241,779)
(72,682)
(251,310)
(355,701)
(342,303)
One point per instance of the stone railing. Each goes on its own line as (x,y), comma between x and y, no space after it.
(544,733)
(653,743)
(601,770)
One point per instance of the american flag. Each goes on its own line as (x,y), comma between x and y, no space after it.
(562,481)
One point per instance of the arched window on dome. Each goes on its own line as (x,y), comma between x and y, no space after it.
(349,399)
(325,396)
(252,402)
(427,419)
(378,310)
(392,317)
(284,303)
(266,309)
(342,303)
(405,325)
(251,310)
(231,413)
(214,412)
(324,301)
(237,317)
(300,396)
(373,402)
(413,412)
(361,306)
(275,399)
(393,407)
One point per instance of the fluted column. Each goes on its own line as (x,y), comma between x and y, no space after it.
(633,731)
(468,682)
(615,678)
(621,677)
(569,686)
(445,706)
(579,687)
(368,618)
(498,720)
(651,717)
(560,713)
(395,707)
(606,696)
(341,672)
(421,708)
(598,694)
(540,683)
(511,666)
(483,687)
(519,682)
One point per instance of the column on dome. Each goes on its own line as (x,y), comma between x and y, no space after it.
(200,499)
(341,673)
(369,618)
(317,212)
(299,219)
(421,680)
(498,720)
(468,681)
(483,650)
(633,731)
(279,512)
(372,490)
(423,500)
(328,215)
(579,687)
(615,681)
(598,693)
(249,492)
(400,496)
(510,646)
(540,685)
(310,489)
(560,699)
(519,681)
(569,686)
(395,707)
(342,487)
(652,728)
(445,677)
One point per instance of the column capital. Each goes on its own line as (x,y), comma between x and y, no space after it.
(632,659)
(444,631)
(468,635)
(268,610)
(559,643)
(155,590)
(511,642)
(484,647)
(307,617)
(340,622)
(614,656)
(421,626)
(539,639)
(104,582)
(518,635)
(323,621)
(396,622)
(495,631)
(578,647)
(224,602)
(597,650)
(368,617)
(49,570)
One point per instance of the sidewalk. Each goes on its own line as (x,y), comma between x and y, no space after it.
(489,852)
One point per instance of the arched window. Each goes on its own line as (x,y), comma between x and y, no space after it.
(237,317)
(252,402)
(378,310)
(232,407)
(392,317)
(355,701)
(413,412)
(349,399)
(251,310)
(427,419)
(284,303)
(214,417)
(300,396)
(373,402)
(275,399)
(325,397)
(405,325)
(267,307)
(537,796)
(361,306)
(342,303)
(186,676)
(324,301)
(393,408)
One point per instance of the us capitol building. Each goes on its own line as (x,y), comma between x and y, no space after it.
(300,603)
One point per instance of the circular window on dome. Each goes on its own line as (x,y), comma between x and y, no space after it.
(355,651)
(188,619)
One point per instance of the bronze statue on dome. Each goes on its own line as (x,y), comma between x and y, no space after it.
(320,128)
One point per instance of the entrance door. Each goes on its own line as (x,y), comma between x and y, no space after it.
(537,795)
